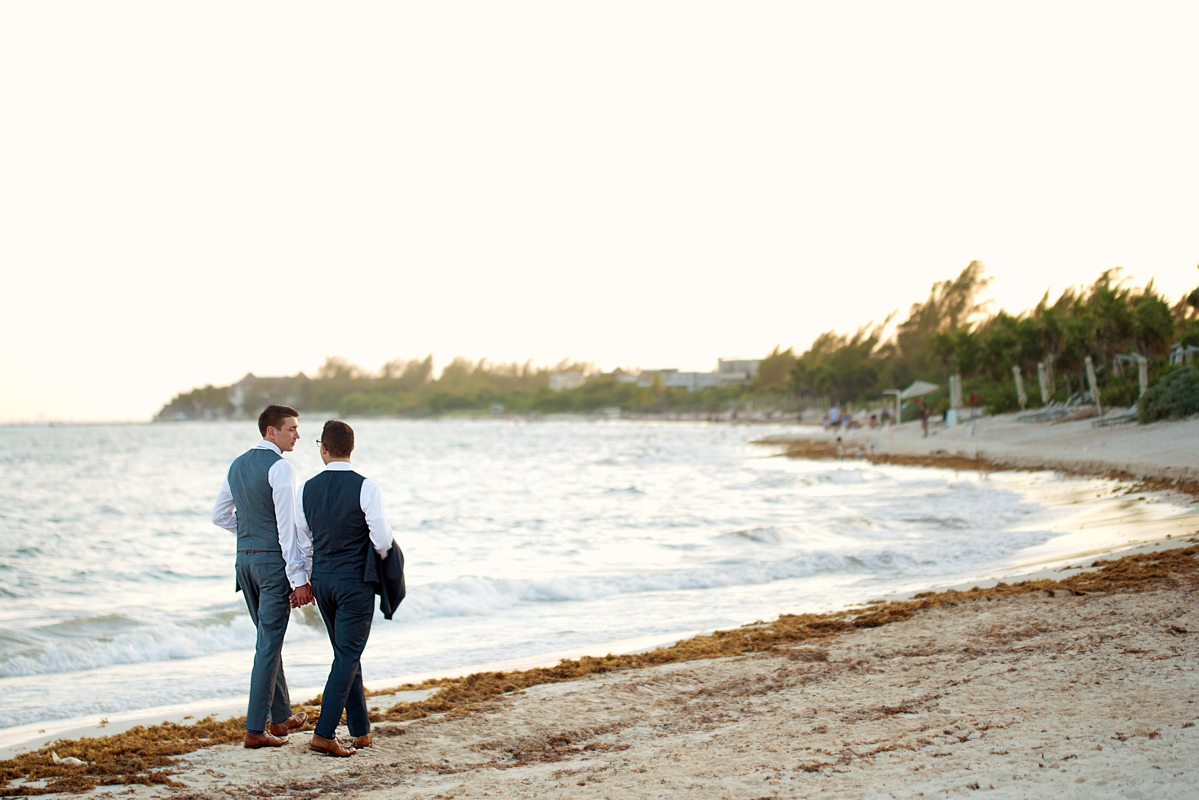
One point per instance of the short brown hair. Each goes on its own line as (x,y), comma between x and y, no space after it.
(273,416)
(338,438)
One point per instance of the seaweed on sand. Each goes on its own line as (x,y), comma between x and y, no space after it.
(140,755)
(143,755)
(823,450)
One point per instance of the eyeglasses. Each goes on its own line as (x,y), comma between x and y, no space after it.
(318,441)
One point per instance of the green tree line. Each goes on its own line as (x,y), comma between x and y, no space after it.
(950,332)
(407,388)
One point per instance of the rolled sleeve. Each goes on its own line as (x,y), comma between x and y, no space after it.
(282,478)
(303,532)
(224,514)
(371,501)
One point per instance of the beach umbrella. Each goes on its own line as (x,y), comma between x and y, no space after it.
(955,390)
(1094,385)
(897,393)
(918,389)
(1020,395)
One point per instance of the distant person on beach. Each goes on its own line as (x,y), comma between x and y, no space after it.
(924,418)
(339,522)
(257,502)
(834,416)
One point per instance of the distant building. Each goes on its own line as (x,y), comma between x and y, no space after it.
(647,376)
(563,381)
(745,366)
(251,394)
(691,381)
(694,381)
(617,375)
(237,393)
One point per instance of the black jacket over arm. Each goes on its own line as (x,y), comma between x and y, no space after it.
(387,574)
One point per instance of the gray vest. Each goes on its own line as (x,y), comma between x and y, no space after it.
(250,485)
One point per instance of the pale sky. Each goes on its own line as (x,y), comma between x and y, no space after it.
(192,191)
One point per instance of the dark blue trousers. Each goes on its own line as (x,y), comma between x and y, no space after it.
(347,604)
(263,581)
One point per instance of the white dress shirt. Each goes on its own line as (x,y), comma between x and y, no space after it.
(282,478)
(369,499)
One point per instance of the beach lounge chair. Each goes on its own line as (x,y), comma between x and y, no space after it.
(1053,410)
(1040,415)
(1117,419)
(1068,407)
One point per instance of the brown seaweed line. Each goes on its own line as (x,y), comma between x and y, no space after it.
(142,755)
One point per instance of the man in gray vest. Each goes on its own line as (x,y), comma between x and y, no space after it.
(339,520)
(257,502)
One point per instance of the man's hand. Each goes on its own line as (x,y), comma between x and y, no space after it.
(302,596)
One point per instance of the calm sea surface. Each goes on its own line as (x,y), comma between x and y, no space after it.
(117,593)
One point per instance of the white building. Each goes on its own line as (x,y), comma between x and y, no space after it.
(618,375)
(646,377)
(694,381)
(560,381)
(732,366)
(691,381)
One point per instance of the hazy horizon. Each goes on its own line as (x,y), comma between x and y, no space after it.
(193,193)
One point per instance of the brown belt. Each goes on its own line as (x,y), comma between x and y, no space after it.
(258,551)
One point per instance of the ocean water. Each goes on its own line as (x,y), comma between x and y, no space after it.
(117,592)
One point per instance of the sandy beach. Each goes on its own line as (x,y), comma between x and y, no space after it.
(1068,682)
(1163,450)
(1034,692)
(1034,696)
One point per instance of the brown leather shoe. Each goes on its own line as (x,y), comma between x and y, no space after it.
(288,725)
(330,747)
(256,740)
(362,741)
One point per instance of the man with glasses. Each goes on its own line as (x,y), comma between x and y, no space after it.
(257,502)
(339,521)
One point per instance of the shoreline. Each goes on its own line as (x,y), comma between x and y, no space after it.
(21,739)
(1164,452)
(814,651)
(1106,522)
(408,699)
(420,688)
